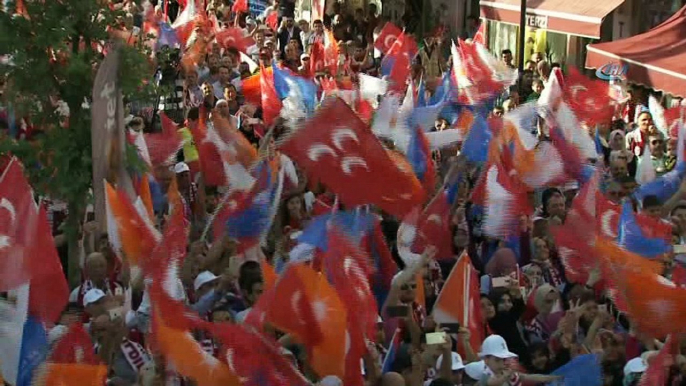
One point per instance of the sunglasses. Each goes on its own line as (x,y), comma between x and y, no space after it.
(656,142)
(406,287)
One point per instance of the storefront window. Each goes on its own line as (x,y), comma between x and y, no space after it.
(502,36)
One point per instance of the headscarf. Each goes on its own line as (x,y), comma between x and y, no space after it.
(539,297)
(615,133)
(502,263)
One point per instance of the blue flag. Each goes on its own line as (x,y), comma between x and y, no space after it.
(475,147)
(287,84)
(583,370)
(34,349)
(631,236)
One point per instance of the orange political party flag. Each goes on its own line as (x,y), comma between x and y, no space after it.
(420,295)
(73,374)
(459,300)
(328,357)
(136,238)
(655,304)
(190,359)
(303,304)
(146,196)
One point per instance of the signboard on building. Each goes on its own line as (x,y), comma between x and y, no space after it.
(257,7)
(536,21)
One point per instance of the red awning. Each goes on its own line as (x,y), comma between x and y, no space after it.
(656,58)
(573,17)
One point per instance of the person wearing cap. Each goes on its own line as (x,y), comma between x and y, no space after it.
(304,68)
(498,372)
(95,272)
(452,371)
(473,372)
(93,302)
(633,370)
(188,189)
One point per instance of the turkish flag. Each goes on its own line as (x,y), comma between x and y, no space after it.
(588,98)
(255,358)
(473,74)
(163,146)
(233,37)
(338,149)
(272,20)
(18,224)
(27,248)
(211,162)
(240,6)
(387,37)
(433,227)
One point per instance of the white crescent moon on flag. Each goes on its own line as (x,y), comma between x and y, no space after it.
(605,224)
(389,40)
(7,205)
(317,150)
(341,134)
(434,218)
(348,162)
(229,41)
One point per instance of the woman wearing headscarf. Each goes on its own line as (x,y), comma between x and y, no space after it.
(541,327)
(617,147)
(551,269)
(509,308)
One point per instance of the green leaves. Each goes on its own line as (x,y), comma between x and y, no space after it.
(54,57)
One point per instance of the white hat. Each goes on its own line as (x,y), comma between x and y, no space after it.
(203,278)
(92,296)
(495,346)
(456,362)
(331,380)
(475,370)
(181,167)
(636,365)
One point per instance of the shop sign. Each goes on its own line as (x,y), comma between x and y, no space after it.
(536,21)
(612,71)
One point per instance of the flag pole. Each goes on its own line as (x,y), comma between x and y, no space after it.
(522,33)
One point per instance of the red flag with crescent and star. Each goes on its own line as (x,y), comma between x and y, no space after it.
(233,37)
(388,35)
(588,98)
(338,149)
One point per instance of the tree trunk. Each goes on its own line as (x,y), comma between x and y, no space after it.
(73,232)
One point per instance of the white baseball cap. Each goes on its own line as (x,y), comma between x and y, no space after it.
(92,296)
(495,346)
(475,370)
(181,167)
(203,278)
(636,365)
(456,363)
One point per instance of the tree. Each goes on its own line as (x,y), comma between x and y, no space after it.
(54,51)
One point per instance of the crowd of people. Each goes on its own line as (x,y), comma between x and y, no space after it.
(533,318)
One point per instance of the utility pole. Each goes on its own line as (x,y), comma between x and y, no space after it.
(522,33)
